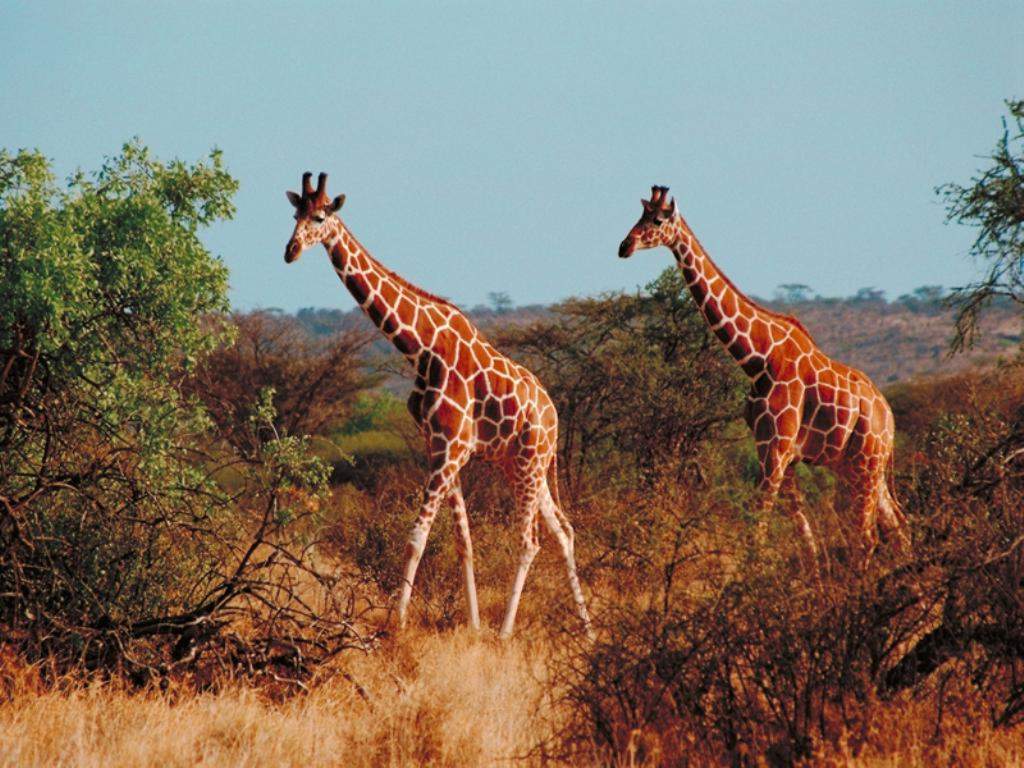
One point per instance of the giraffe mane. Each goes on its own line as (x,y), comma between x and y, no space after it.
(415,288)
(391,274)
(770,312)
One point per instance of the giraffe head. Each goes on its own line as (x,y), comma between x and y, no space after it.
(657,224)
(312,209)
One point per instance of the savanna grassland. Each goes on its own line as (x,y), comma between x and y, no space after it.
(203,517)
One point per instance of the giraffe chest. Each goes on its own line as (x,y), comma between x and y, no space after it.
(488,404)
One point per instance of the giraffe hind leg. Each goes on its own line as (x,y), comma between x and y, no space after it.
(892,521)
(560,528)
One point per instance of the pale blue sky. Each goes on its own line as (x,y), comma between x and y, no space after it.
(505,146)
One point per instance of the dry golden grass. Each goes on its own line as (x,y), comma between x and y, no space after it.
(451,698)
(431,699)
(447,699)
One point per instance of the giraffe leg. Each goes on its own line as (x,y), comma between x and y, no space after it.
(863,484)
(562,531)
(775,458)
(439,485)
(790,492)
(776,464)
(465,548)
(891,519)
(527,503)
(868,503)
(414,551)
(768,493)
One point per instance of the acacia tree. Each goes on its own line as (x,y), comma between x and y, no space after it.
(315,379)
(638,380)
(994,204)
(112,529)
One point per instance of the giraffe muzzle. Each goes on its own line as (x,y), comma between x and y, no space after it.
(626,248)
(291,252)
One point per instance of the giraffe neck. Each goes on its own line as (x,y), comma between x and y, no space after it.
(745,329)
(394,306)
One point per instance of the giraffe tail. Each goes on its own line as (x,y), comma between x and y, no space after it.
(553,480)
(890,483)
(896,509)
(553,490)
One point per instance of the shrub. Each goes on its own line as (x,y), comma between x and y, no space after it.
(712,653)
(639,382)
(117,548)
(315,380)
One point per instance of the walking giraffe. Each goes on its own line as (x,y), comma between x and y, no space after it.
(802,406)
(468,399)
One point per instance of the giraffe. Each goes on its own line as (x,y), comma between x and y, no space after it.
(468,399)
(802,405)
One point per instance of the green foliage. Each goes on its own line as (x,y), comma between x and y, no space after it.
(793,293)
(925,299)
(111,526)
(287,458)
(994,204)
(373,412)
(104,282)
(86,265)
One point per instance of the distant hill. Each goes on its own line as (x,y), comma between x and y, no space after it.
(897,341)
(890,341)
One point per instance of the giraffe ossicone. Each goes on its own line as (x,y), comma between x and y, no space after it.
(468,400)
(803,405)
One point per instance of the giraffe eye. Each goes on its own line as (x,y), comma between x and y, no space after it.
(318,218)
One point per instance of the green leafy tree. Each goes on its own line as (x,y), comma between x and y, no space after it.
(105,280)
(994,204)
(111,526)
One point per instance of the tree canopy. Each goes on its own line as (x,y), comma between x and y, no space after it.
(114,525)
(993,202)
(637,379)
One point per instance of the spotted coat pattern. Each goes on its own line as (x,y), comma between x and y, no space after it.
(468,399)
(802,405)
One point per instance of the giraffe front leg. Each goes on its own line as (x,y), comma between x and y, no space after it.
(464,545)
(438,487)
(774,457)
(790,492)
(414,551)
(778,470)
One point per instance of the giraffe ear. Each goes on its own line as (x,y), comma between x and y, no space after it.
(646,204)
(337,202)
(672,207)
(293,198)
